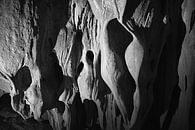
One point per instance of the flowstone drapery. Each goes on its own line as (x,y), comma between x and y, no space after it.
(98,64)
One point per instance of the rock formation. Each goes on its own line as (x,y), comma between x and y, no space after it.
(97,64)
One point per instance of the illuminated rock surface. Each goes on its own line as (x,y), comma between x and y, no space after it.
(97,64)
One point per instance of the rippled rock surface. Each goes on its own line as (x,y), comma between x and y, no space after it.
(97,64)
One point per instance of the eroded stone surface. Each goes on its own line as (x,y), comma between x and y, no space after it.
(99,64)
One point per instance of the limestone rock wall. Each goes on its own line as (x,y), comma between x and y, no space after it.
(97,64)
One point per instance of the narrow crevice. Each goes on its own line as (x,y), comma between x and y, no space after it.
(192,20)
(186,83)
(79,69)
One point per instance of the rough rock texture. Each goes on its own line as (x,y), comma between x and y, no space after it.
(97,64)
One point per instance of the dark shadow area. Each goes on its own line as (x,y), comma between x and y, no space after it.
(53,15)
(172,108)
(22,3)
(76,52)
(22,79)
(192,20)
(166,92)
(79,69)
(78,115)
(90,56)
(50,83)
(91,114)
(130,7)
(10,120)
(118,41)
(60,106)
(103,89)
